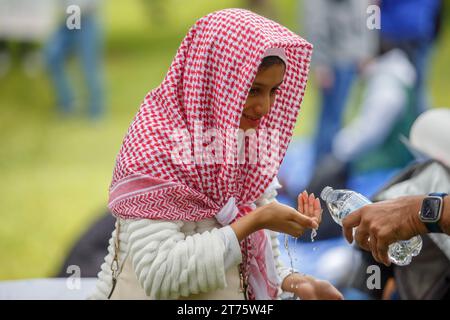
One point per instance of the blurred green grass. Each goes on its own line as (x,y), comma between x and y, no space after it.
(55,173)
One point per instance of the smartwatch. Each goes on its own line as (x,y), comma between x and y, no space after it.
(431,211)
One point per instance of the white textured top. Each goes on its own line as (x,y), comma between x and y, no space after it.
(175,259)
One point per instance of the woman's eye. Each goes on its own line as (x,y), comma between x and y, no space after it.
(253,91)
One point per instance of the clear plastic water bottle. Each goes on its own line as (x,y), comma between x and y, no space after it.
(342,202)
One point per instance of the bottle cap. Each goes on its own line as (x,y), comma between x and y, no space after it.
(326,192)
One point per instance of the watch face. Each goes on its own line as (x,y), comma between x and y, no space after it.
(430,209)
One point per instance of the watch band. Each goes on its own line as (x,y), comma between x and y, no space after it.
(433,227)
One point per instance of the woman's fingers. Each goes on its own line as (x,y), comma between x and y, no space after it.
(310,209)
(310,288)
(318,210)
(305,291)
(311,199)
(305,198)
(331,293)
(309,205)
(317,205)
(301,203)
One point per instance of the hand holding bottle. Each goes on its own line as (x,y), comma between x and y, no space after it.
(384,223)
(345,203)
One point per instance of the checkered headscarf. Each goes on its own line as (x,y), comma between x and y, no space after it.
(206,86)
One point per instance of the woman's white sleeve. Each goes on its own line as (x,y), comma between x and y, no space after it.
(168,264)
(232,255)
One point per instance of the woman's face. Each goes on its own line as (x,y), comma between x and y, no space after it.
(262,95)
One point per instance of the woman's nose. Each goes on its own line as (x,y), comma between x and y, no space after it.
(263,107)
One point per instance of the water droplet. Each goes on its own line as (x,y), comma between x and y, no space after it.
(313,234)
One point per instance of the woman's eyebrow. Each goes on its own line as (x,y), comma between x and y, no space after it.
(264,85)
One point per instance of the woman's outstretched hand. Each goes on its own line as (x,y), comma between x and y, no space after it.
(281,218)
(310,206)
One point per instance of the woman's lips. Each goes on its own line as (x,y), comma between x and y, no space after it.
(253,122)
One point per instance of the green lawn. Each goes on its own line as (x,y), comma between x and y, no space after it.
(54,173)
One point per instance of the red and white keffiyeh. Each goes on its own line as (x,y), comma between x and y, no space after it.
(207,86)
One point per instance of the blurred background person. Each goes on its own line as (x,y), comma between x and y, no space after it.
(86,43)
(413,26)
(24,25)
(371,143)
(342,42)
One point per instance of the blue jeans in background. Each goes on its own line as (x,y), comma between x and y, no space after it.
(334,101)
(85,43)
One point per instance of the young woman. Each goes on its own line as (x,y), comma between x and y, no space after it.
(204,224)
